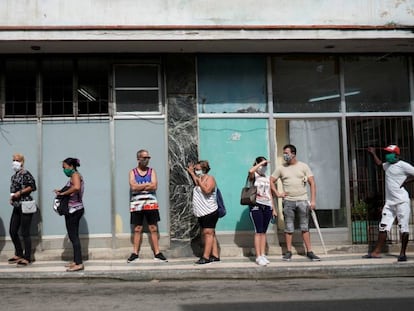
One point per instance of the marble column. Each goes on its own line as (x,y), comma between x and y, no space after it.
(182,145)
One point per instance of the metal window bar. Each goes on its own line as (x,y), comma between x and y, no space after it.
(366,178)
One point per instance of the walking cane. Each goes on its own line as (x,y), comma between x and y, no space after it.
(315,221)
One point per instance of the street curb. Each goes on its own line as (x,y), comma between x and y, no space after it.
(215,272)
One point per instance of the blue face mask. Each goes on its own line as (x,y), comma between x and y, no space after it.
(391,158)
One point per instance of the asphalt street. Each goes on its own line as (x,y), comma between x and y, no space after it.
(205,295)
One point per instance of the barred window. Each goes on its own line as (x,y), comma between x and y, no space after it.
(57,83)
(56,86)
(20,88)
(92,89)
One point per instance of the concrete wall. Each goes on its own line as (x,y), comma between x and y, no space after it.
(106,159)
(206,12)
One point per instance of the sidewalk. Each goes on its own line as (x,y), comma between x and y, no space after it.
(146,269)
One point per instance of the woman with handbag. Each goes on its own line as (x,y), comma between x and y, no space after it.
(74,190)
(205,208)
(262,212)
(22,185)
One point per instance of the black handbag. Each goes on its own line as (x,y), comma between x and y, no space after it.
(248,193)
(61,203)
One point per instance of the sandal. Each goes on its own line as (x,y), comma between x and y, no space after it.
(75,268)
(14,259)
(370,256)
(70,265)
(23,262)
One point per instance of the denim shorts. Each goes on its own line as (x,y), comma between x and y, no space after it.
(291,209)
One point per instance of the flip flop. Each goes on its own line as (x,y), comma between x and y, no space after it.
(369,256)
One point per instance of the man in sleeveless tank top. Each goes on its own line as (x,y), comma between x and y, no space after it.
(143,204)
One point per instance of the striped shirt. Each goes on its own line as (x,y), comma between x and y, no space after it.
(203,204)
(143,200)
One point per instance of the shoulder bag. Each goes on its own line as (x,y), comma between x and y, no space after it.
(248,193)
(220,203)
(29,207)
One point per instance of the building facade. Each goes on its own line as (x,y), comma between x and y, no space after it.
(188,80)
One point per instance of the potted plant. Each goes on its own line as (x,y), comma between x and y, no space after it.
(359,214)
(359,211)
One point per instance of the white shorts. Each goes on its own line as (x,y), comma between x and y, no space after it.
(390,212)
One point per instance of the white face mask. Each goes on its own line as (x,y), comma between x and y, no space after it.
(262,170)
(16,166)
(198,173)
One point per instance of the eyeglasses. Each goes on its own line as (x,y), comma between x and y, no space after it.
(144,158)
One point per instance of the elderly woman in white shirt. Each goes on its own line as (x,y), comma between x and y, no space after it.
(205,209)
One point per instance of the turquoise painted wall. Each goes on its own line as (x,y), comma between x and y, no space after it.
(231,146)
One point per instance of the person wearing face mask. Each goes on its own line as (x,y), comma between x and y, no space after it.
(295,176)
(205,208)
(397,201)
(21,186)
(264,209)
(143,204)
(75,189)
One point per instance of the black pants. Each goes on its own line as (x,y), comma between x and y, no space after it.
(21,221)
(72,226)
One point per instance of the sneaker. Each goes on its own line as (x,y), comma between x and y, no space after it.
(261,261)
(402,258)
(202,261)
(265,259)
(287,256)
(160,257)
(312,256)
(133,258)
(214,259)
